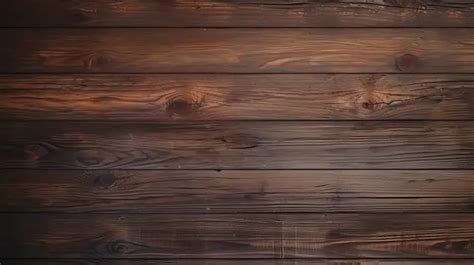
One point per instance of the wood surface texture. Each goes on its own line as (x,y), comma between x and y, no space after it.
(240,13)
(279,132)
(237,236)
(175,191)
(237,97)
(215,261)
(235,145)
(146,50)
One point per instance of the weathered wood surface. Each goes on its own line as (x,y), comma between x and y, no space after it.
(237,236)
(236,97)
(148,50)
(237,145)
(168,191)
(240,262)
(231,13)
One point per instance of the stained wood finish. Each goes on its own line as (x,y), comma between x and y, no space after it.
(236,132)
(242,262)
(231,13)
(237,145)
(237,191)
(236,97)
(238,50)
(237,236)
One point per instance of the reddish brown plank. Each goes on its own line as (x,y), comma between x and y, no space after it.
(242,262)
(237,50)
(237,236)
(237,145)
(236,97)
(231,13)
(236,191)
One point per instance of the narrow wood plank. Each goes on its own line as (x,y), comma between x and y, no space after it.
(236,97)
(236,191)
(231,13)
(237,145)
(241,262)
(238,50)
(237,236)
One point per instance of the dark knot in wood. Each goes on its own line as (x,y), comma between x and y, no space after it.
(89,157)
(407,63)
(119,247)
(35,152)
(98,61)
(181,107)
(104,180)
(368,105)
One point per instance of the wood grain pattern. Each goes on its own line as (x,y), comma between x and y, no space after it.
(236,97)
(237,50)
(236,191)
(237,236)
(237,145)
(233,145)
(241,262)
(241,13)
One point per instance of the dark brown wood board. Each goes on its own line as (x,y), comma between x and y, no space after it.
(279,132)
(240,261)
(237,236)
(231,13)
(237,145)
(237,191)
(151,50)
(237,97)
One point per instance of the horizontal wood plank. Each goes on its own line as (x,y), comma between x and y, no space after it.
(149,50)
(237,236)
(236,97)
(237,145)
(231,13)
(236,191)
(240,262)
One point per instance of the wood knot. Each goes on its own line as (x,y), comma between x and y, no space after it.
(97,61)
(35,152)
(407,63)
(181,107)
(104,180)
(240,141)
(89,157)
(368,105)
(120,247)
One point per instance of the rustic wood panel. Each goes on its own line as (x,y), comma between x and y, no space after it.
(237,236)
(237,145)
(241,262)
(236,191)
(238,50)
(241,97)
(231,13)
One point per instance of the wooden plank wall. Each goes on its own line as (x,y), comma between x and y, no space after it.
(139,132)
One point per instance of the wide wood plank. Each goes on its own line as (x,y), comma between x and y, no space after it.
(237,236)
(240,13)
(237,145)
(240,262)
(237,50)
(236,191)
(236,97)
